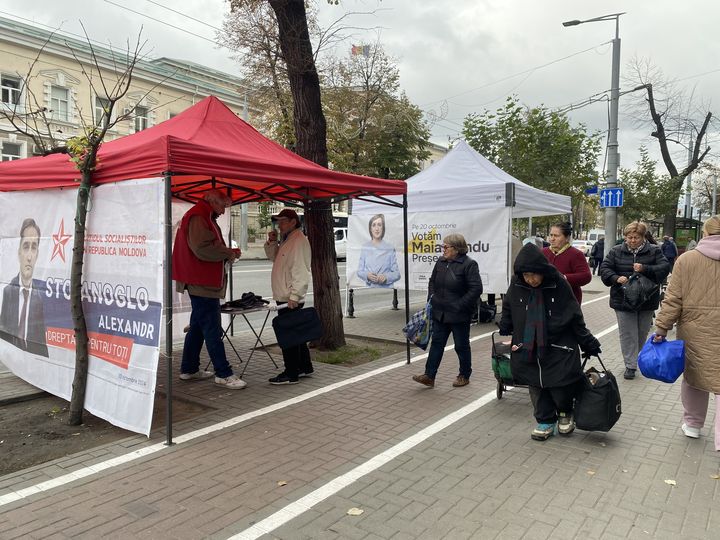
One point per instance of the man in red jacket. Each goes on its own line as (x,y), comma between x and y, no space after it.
(198,265)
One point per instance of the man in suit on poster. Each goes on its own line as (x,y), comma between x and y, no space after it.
(22,318)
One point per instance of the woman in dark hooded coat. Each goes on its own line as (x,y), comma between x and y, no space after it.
(547,326)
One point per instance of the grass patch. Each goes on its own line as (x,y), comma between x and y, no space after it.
(349,354)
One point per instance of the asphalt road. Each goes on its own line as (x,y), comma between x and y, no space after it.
(255,276)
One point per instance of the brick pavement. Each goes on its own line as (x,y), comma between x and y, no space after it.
(482,477)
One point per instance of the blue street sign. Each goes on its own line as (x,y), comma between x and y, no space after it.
(611,198)
(592,190)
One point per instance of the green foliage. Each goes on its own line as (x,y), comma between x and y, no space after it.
(648,195)
(537,146)
(264,215)
(373,128)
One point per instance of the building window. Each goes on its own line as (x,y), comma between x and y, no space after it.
(101,105)
(10,90)
(11,151)
(59,103)
(141,118)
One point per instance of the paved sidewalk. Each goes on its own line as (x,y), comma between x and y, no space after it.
(477,477)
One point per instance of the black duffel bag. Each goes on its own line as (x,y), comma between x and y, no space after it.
(598,406)
(297,326)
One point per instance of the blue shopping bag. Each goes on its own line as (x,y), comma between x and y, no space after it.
(663,361)
(419,329)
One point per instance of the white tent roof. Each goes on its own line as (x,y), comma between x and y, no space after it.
(464,180)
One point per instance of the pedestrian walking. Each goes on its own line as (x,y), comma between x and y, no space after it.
(669,249)
(548,329)
(199,260)
(692,301)
(634,255)
(597,254)
(453,290)
(569,261)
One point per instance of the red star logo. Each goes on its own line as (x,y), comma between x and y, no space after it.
(59,241)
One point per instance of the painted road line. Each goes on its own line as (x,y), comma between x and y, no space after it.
(305,503)
(152,449)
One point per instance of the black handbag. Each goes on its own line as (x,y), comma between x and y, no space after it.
(297,326)
(598,406)
(637,290)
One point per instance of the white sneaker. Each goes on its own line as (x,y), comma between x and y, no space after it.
(200,375)
(233,381)
(692,432)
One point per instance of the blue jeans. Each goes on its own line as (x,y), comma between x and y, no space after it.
(440,334)
(205,326)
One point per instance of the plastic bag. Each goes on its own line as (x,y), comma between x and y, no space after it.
(419,329)
(637,290)
(663,361)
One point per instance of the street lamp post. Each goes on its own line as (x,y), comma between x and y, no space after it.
(612,143)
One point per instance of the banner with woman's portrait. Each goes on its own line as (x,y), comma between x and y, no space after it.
(375,246)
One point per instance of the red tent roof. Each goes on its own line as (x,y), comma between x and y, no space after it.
(205,144)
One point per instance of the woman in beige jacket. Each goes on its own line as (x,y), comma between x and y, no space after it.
(692,301)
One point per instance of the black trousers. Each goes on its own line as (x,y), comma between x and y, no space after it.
(296,359)
(548,402)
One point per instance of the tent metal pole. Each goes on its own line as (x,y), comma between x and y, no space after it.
(407,275)
(168,308)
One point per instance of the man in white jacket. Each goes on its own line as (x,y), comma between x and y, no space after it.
(290,279)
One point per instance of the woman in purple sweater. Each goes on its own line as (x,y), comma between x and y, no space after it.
(569,261)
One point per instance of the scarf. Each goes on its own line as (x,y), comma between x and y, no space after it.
(637,249)
(558,251)
(534,335)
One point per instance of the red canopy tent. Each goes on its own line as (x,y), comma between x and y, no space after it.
(203,147)
(206,144)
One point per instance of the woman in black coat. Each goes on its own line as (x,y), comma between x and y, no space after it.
(635,254)
(544,318)
(454,289)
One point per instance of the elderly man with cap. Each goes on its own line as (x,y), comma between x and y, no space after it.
(198,265)
(290,279)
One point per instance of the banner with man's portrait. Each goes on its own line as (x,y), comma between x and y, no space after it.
(375,246)
(122,285)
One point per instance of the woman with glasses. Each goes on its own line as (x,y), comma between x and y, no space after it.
(569,261)
(634,255)
(454,289)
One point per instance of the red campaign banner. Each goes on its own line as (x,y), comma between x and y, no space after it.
(113,349)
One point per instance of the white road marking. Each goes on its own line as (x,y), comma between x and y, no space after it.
(155,448)
(305,503)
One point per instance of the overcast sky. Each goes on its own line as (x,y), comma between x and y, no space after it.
(457,57)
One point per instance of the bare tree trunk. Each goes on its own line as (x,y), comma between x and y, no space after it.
(77,401)
(670,220)
(311,137)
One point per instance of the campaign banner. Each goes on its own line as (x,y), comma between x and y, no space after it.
(122,284)
(375,256)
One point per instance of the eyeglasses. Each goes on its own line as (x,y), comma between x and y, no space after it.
(445,246)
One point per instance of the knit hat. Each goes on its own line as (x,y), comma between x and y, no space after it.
(712,226)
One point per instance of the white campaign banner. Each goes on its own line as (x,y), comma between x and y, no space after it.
(375,254)
(122,288)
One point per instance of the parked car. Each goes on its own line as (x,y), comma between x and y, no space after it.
(583,245)
(340,243)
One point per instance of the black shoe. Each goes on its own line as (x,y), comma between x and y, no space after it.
(283,379)
(629,373)
(306,372)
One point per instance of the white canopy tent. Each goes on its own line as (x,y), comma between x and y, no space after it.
(461,193)
(465,180)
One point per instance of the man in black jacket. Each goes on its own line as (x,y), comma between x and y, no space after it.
(454,289)
(547,325)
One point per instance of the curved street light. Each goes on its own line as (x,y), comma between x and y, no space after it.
(612,142)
